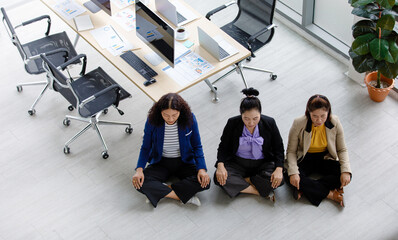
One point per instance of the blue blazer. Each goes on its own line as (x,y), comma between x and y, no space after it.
(190,145)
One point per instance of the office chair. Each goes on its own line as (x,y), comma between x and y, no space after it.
(30,52)
(252,28)
(91,94)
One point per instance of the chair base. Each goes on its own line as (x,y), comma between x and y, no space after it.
(238,68)
(93,122)
(46,84)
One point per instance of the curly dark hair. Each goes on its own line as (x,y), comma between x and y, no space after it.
(250,101)
(170,101)
(318,101)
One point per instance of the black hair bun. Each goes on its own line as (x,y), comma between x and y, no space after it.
(250,92)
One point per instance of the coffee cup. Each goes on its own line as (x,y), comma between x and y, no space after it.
(181,33)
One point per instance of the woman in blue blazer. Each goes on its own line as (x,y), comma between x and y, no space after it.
(172,147)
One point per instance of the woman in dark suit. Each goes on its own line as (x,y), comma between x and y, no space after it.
(172,147)
(251,154)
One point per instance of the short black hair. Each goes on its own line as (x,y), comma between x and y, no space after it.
(250,101)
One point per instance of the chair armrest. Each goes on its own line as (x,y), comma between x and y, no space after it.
(259,33)
(209,14)
(256,35)
(73,60)
(36,20)
(100,93)
(50,53)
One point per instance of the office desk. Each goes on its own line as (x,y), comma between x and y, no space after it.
(164,83)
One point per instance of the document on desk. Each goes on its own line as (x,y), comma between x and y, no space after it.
(109,39)
(188,68)
(68,8)
(126,19)
(122,3)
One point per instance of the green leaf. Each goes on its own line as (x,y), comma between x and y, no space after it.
(388,4)
(393,46)
(386,22)
(362,27)
(361,44)
(363,63)
(389,70)
(379,49)
(357,3)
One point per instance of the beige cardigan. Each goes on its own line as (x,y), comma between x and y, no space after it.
(300,140)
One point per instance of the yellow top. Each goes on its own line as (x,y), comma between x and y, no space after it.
(318,139)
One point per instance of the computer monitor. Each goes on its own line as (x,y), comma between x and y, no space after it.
(96,5)
(155,32)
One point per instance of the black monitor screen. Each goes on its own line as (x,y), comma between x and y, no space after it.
(104,5)
(155,32)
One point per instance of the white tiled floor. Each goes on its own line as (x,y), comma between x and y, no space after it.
(45,194)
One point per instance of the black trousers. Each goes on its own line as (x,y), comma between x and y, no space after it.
(315,190)
(259,172)
(156,174)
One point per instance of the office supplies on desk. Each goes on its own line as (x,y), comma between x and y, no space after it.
(123,3)
(188,44)
(106,36)
(216,46)
(188,68)
(126,19)
(140,66)
(68,8)
(175,12)
(83,23)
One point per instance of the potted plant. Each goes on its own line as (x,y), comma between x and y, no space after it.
(375,49)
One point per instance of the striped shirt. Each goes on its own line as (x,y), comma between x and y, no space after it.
(171,144)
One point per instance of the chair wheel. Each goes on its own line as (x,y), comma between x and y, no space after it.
(32,112)
(66,150)
(129,130)
(66,122)
(70,108)
(19,88)
(105,155)
(273,76)
(105,111)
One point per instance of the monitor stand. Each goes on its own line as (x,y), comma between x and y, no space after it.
(91,6)
(153,58)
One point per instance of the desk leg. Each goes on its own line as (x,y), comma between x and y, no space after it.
(213,89)
(76,39)
(239,70)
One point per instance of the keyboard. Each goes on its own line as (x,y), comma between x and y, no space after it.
(223,53)
(180,18)
(140,66)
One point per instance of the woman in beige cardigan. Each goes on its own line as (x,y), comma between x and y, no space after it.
(316,145)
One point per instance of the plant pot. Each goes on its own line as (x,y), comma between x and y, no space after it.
(378,94)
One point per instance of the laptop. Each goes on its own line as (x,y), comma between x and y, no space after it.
(175,12)
(217,46)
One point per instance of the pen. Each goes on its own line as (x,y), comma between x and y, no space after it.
(117,34)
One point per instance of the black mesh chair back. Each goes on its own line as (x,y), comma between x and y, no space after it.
(35,48)
(30,52)
(91,94)
(252,28)
(86,86)
(252,17)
